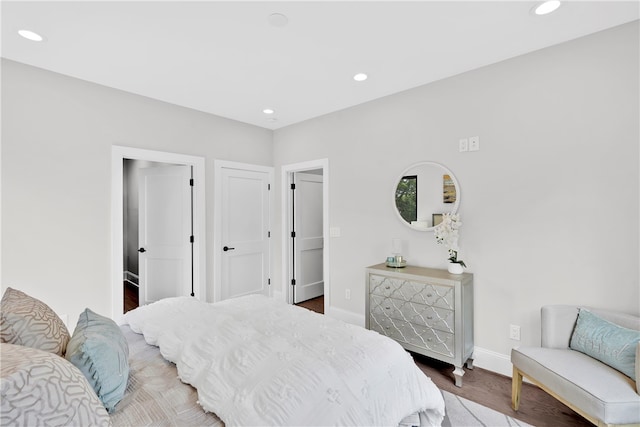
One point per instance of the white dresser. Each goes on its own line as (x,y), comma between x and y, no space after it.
(428,311)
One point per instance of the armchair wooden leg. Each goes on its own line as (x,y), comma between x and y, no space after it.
(516,388)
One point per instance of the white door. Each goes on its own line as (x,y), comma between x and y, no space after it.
(244,232)
(308,241)
(164,221)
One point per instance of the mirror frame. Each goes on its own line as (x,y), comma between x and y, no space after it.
(445,170)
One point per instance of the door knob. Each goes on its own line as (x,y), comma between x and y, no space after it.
(142,250)
(227,248)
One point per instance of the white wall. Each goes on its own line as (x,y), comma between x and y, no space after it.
(549,204)
(57,136)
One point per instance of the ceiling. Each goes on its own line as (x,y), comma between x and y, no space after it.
(228,59)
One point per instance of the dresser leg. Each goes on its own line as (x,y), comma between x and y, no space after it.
(458,372)
(469,363)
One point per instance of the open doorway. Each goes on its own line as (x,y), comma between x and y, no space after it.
(305,232)
(191,168)
(158,224)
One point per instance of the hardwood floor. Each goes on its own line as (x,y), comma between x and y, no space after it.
(130,296)
(314,304)
(494,391)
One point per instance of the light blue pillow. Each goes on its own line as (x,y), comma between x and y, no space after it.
(611,344)
(99,349)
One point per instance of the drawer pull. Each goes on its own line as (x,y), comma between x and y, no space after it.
(388,308)
(429,339)
(429,317)
(387,327)
(429,295)
(387,287)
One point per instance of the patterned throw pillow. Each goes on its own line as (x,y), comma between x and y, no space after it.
(99,349)
(27,321)
(40,388)
(611,344)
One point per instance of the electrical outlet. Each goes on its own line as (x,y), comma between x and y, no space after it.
(514,332)
(474,143)
(463,145)
(347,294)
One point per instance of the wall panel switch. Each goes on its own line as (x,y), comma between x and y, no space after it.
(463,145)
(474,143)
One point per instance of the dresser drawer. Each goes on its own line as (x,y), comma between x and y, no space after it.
(420,336)
(419,314)
(407,290)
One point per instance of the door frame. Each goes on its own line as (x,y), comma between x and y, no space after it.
(118,154)
(287,205)
(217,218)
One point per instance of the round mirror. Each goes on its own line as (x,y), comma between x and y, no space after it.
(424,191)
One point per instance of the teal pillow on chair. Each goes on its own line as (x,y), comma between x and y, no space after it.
(99,349)
(611,344)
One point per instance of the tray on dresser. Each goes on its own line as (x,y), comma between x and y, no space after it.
(396,264)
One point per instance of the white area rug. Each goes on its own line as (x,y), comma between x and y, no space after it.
(461,412)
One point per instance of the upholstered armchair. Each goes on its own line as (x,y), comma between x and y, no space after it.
(574,363)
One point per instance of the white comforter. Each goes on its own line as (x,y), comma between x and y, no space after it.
(258,361)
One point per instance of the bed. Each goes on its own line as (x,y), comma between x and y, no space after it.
(237,362)
(155,395)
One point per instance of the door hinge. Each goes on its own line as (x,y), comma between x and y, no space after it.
(293,234)
(293,282)
(191,182)
(269,281)
(192,239)
(269,187)
(268,234)
(293,186)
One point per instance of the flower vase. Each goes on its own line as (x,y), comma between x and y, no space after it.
(455,268)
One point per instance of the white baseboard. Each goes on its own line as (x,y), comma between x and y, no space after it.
(132,278)
(346,316)
(492,361)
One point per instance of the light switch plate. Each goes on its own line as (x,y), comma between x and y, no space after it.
(463,145)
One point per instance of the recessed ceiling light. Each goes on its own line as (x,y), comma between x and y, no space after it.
(360,77)
(268,111)
(30,35)
(546,7)
(277,20)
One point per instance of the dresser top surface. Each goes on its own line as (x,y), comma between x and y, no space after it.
(411,270)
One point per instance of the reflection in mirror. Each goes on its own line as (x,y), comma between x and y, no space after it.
(424,192)
(406,198)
